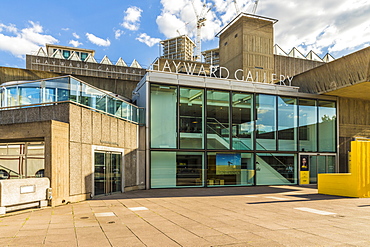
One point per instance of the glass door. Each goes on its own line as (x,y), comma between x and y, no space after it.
(107,172)
(313,164)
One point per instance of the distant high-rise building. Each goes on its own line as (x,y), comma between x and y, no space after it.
(180,48)
(212,57)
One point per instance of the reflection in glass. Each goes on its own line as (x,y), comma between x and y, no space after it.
(242,121)
(266,122)
(274,168)
(287,123)
(218,130)
(191,118)
(22,160)
(327,126)
(163,116)
(307,125)
(30,93)
(176,169)
(230,169)
(24,94)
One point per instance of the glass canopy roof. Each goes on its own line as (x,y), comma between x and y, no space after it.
(22,94)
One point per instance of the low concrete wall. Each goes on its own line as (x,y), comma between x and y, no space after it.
(17,193)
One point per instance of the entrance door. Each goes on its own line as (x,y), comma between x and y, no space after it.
(317,163)
(107,172)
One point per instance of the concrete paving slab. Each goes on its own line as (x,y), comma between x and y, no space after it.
(249,216)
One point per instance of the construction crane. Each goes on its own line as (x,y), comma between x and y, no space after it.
(201,19)
(255,7)
(236,7)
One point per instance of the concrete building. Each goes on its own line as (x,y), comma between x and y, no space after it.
(86,137)
(263,117)
(212,57)
(180,48)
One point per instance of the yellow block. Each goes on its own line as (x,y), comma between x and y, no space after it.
(353,184)
(305,177)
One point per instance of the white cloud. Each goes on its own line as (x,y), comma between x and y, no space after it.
(118,33)
(76,35)
(180,17)
(10,28)
(146,39)
(75,43)
(97,41)
(65,29)
(337,26)
(331,25)
(23,41)
(131,20)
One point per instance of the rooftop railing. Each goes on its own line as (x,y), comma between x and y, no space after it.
(25,94)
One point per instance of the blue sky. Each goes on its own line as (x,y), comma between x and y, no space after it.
(131,29)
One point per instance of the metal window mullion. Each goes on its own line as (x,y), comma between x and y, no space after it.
(317,125)
(205,136)
(276,123)
(230,112)
(254,140)
(178,117)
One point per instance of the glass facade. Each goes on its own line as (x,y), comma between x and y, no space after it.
(61,89)
(206,137)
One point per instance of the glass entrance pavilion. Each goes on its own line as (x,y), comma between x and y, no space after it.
(205,132)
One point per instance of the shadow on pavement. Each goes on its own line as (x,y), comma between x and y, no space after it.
(219,191)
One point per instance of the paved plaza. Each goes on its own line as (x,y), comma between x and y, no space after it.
(232,216)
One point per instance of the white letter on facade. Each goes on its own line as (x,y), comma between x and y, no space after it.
(176,66)
(236,77)
(249,76)
(166,66)
(228,72)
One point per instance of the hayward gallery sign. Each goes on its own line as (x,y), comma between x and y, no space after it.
(198,69)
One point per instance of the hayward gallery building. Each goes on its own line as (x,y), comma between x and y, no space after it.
(259,117)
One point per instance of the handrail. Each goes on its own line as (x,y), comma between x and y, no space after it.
(10,170)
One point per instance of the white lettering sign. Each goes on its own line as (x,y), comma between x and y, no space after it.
(198,69)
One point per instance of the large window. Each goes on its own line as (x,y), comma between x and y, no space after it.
(191,118)
(176,169)
(287,123)
(230,169)
(22,160)
(327,126)
(275,168)
(307,125)
(266,122)
(218,129)
(163,116)
(242,121)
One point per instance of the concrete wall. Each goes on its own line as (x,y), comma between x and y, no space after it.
(291,66)
(69,132)
(55,136)
(337,75)
(354,120)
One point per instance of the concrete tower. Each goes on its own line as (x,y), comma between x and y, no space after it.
(247,43)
